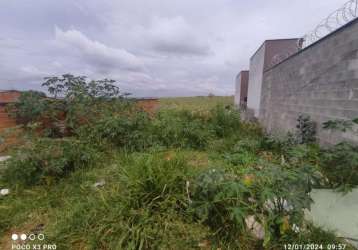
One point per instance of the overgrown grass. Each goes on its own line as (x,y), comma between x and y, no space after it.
(195,103)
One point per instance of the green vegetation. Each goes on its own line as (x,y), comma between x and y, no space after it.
(198,103)
(190,177)
(340,162)
(44,160)
(340,165)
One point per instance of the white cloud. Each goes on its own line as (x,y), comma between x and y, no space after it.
(152,48)
(99,55)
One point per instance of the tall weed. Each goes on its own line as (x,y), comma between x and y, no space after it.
(44,161)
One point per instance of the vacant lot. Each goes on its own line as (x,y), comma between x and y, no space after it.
(194,176)
(196,103)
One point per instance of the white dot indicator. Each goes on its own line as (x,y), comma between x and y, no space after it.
(23,236)
(14,236)
(41,236)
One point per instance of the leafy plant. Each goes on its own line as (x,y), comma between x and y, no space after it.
(219,200)
(73,87)
(225,120)
(180,129)
(84,101)
(160,198)
(29,107)
(46,160)
(306,130)
(74,101)
(244,152)
(340,125)
(274,195)
(279,196)
(126,131)
(340,165)
(303,154)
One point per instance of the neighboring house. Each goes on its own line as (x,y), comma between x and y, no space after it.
(270,53)
(241,88)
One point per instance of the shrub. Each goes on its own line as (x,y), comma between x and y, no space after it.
(305,134)
(180,129)
(84,101)
(244,152)
(219,201)
(136,131)
(74,102)
(243,158)
(340,125)
(46,160)
(303,154)
(29,107)
(306,130)
(224,120)
(280,145)
(275,195)
(340,165)
(126,131)
(281,195)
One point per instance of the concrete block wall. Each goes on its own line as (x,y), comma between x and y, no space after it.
(320,81)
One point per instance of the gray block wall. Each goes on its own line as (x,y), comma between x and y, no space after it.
(320,81)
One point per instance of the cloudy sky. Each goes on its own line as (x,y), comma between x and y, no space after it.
(151,47)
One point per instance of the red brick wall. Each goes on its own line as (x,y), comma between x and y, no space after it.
(9,96)
(148,105)
(5,120)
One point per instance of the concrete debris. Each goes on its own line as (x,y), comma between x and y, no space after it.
(99,184)
(4,191)
(4,158)
(270,205)
(252,200)
(295,228)
(255,227)
(204,244)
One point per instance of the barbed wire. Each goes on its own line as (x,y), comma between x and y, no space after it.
(348,12)
(345,14)
(276,59)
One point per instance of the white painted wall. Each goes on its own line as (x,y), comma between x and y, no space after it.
(237,90)
(255,80)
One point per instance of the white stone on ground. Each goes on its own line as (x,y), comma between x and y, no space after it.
(255,227)
(4,191)
(4,158)
(99,184)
